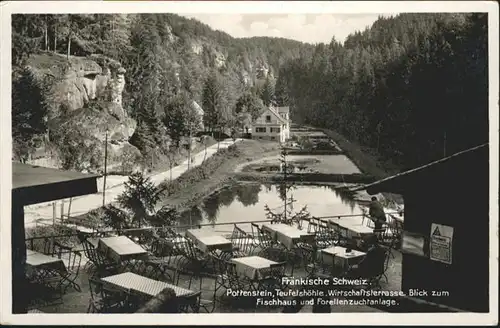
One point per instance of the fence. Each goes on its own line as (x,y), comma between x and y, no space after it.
(308,177)
(42,243)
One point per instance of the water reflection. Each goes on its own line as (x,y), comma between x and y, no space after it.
(192,217)
(283,191)
(345,195)
(246,201)
(211,206)
(248,194)
(226,196)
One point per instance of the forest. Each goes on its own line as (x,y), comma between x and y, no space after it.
(414,87)
(170,61)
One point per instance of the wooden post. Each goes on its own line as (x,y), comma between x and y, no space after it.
(189,151)
(164,302)
(54,213)
(46,34)
(19,296)
(171,165)
(69,43)
(69,206)
(62,210)
(55,37)
(105,169)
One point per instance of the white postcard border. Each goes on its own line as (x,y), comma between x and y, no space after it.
(374,7)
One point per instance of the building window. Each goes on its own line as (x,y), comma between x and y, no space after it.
(260,130)
(273,138)
(268,118)
(275,130)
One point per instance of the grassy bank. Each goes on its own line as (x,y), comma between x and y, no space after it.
(366,159)
(200,181)
(318,178)
(215,172)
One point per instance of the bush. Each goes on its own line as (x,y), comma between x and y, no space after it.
(92,219)
(49,231)
(129,158)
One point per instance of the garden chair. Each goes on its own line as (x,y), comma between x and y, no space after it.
(73,261)
(226,277)
(166,232)
(323,266)
(325,235)
(268,247)
(372,270)
(147,237)
(340,234)
(97,260)
(105,299)
(193,262)
(343,236)
(194,303)
(274,277)
(244,244)
(160,258)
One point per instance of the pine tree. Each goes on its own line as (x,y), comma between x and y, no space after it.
(267,94)
(29,113)
(181,119)
(212,102)
(115,35)
(281,92)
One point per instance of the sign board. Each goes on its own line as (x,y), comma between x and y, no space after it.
(441,243)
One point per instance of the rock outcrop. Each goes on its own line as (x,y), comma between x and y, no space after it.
(85,93)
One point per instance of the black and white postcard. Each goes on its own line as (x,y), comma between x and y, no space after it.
(305,163)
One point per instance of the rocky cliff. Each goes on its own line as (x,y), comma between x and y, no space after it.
(84,98)
(84,92)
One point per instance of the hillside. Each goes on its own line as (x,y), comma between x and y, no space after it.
(72,61)
(413,81)
(411,89)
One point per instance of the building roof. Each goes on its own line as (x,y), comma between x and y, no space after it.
(395,183)
(35,184)
(197,108)
(275,113)
(283,109)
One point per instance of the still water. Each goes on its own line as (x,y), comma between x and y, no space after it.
(246,202)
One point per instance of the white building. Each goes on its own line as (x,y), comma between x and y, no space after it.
(273,124)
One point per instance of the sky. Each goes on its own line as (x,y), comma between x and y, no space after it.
(311,28)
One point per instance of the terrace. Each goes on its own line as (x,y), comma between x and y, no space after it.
(192,260)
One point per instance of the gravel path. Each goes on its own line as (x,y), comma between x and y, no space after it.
(81,205)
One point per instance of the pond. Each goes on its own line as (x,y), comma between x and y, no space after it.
(246,202)
(295,167)
(328,164)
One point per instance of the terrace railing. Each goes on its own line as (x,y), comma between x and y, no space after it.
(45,243)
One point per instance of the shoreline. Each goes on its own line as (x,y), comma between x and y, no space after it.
(229,172)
